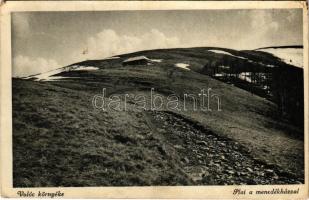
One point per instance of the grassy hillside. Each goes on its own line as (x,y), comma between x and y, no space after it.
(67,142)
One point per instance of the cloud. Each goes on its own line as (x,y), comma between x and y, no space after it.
(292,15)
(25,66)
(262,30)
(263,20)
(21,24)
(108,43)
(104,44)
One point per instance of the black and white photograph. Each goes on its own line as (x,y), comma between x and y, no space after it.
(121,98)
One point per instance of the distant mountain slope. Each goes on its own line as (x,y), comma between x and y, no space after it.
(84,146)
(292,55)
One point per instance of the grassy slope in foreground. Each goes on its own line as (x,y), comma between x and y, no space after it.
(71,144)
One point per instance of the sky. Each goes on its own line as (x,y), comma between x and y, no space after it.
(42,41)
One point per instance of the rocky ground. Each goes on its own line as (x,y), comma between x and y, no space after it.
(213,160)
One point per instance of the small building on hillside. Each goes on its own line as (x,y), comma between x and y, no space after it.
(139,60)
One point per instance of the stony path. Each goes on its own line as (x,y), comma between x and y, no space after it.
(212,160)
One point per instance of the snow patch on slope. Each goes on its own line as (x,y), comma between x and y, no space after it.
(227,53)
(142,58)
(49,76)
(156,60)
(292,56)
(182,65)
(46,75)
(84,68)
(246,76)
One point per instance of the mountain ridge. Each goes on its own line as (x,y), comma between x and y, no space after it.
(170,49)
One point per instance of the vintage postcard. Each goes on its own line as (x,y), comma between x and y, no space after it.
(156,99)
